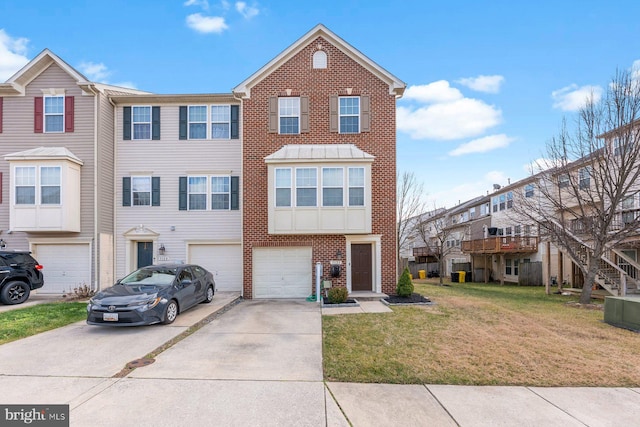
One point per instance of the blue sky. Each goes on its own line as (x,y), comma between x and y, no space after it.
(488,83)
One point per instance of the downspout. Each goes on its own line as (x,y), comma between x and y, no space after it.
(95,285)
(241,134)
(115,183)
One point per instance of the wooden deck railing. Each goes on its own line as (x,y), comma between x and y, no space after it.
(501,244)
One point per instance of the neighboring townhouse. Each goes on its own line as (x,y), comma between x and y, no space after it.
(178,167)
(319,170)
(56,139)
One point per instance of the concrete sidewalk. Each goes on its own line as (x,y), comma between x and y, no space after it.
(260,364)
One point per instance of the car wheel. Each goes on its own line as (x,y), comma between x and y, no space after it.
(170,312)
(15,293)
(209,295)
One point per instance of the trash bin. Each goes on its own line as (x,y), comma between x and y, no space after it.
(422,274)
(455,276)
(461,275)
(410,276)
(468,277)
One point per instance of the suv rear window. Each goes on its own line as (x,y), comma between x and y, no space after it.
(18,258)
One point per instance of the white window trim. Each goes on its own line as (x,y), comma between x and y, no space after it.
(290,187)
(342,204)
(364,186)
(150,190)
(207,192)
(205,122)
(211,193)
(212,122)
(133,123)
(44,113)
(37,185)
(295,186)
(40,186)
(340,115)
(297,116)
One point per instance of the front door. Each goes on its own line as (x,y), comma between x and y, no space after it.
(361,267)
(145,254)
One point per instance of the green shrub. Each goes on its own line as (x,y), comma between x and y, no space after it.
(337,295)
(405,287)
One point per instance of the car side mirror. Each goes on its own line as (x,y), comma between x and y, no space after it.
(185,282)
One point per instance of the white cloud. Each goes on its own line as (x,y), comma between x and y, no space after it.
(456,194)
(462,118)
(572,97)
(12,55)
(482,145)
(95,72)
(488,84)
(204,4)
(206,24)
(247,11)
(439,91)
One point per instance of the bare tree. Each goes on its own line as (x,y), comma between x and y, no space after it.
(434,232)
(410,203)
(587,190)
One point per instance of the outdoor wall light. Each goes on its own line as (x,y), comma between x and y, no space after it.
(161,249)
(3,244)
(339,254)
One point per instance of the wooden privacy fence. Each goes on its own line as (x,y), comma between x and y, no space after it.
(530,274)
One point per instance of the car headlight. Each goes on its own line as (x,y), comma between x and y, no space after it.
(146,305)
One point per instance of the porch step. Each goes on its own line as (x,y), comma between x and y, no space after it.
(367,296)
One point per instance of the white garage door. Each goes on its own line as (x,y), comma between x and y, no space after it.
(282,272)
(224,261)
(65,267)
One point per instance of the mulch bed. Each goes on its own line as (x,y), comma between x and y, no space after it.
(413,299)
(325,301)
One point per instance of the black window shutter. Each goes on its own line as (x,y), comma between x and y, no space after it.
(183,123)
(235,122)
(155,191)
(182,193)
(155,123)
(126,191)
(235,193)
(126,123)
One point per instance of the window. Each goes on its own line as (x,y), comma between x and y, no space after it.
(628,202)
(141,122)
(508,231)
(332,186)
(509,200)
(584,175)
(528,190)
(517,230)
(502,202)
(484,209)
(197,122)
(50,185)
(220,192)
(563,180)
(54,113)
(289,115)
(516,263)
(319,59)
(283,187)
(356,186)
(25,185)
(141,190)
(306,186)
(629,217)
(494,203)
(220,121)
(197,193)
(507,268)
(349,114)
(472,213)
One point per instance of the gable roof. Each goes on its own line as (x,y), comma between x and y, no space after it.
(17,83)
(396,86)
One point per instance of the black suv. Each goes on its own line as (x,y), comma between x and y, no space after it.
(19,275)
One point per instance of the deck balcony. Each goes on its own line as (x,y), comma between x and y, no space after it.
(501,245)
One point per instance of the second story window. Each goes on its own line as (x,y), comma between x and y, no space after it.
(289,115)
(50,185)
(563,180)
(332,186)
(25,185)
(220,121)
(349,112)
(584,176)
(197,193)
(141,122)
(528,190)
(220,192)
(306,186)
(356,186)
(54,113)
(509,200)
(197,122)
(283,187)
(141,190)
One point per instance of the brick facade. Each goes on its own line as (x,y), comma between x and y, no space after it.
(298,75)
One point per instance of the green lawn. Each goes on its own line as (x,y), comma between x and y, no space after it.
(24,322)
(485,335)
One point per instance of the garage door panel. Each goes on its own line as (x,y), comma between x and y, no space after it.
(223,261)
(282,272)
(66,266)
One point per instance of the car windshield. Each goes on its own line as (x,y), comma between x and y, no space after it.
(147,276)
